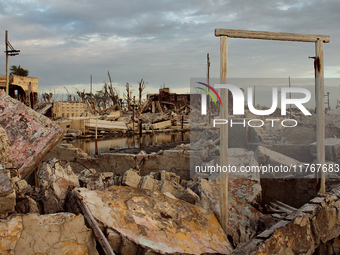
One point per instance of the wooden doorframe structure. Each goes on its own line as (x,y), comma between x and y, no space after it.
(319,40)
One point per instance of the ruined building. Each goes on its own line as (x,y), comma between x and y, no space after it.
(24,89)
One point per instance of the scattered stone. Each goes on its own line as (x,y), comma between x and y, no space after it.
(150,183)
(54,182)
(92,180)
(172,187)
(189,196)
(26,205)
(7,193)
(20,187)
(131,178)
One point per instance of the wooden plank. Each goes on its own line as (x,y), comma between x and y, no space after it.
(93,224)
(248,34)
(320,111)
(224,134)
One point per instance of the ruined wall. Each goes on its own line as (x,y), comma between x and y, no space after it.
(67,109)
(177,161)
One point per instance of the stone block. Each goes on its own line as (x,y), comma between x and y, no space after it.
(54,181)
(131,178)
(189,196)
(172,187)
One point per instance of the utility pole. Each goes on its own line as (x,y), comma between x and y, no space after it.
(11,52)
(91,84)
(7,81)
(208,81)
(290,97)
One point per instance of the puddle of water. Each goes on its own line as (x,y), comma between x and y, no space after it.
(104,145)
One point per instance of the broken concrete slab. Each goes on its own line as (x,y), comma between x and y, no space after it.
(30,134)
(54,181)
(161,125)
(156,222)
(241,214)
(62,233)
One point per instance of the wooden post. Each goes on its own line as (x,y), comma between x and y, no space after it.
(208,82)
(133,115)
(224,134)
(7,78)
(93,224)
(96,141)
(320,105)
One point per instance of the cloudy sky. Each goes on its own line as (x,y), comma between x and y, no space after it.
(63,42)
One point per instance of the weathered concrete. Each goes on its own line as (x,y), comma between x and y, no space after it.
(54,181)
(242,216)
(7,193)
(5,150)
(154,221)
(31,135)
(63,233)
(161,125)
(315,223)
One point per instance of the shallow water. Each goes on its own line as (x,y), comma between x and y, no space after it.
(104,145)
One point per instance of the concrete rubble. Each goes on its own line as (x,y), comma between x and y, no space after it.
(149,202)
(54,181)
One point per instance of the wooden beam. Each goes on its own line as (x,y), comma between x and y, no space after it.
(224,135)
(320,111)
(264,35)
(93,224)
